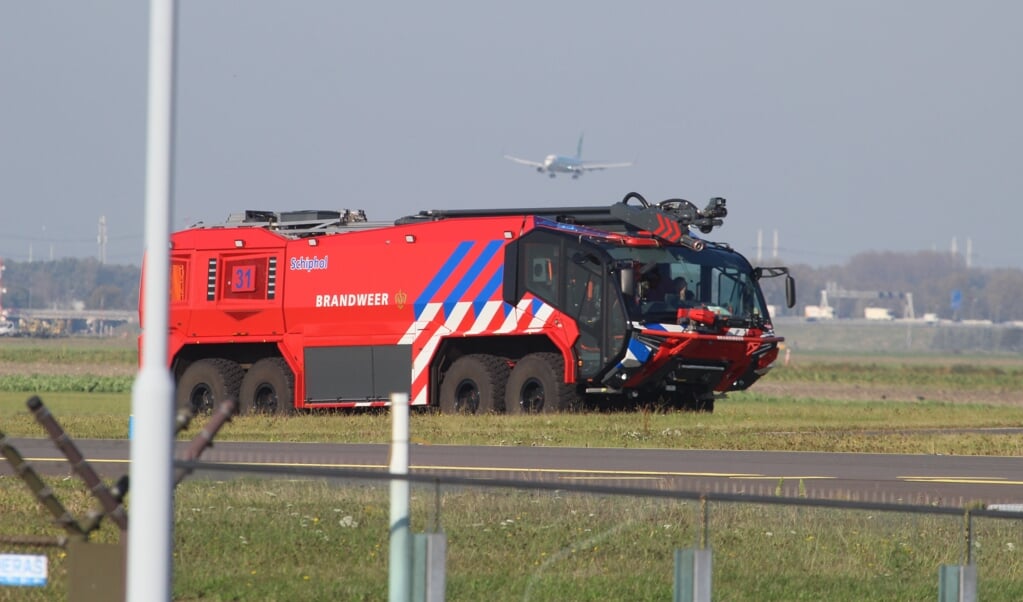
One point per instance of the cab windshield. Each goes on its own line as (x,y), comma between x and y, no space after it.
(669,278)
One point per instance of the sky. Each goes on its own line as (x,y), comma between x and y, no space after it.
(835,127)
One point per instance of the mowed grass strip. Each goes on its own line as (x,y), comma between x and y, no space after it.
(748,422)
(322,540)
(950,374)
(123,351)
(65,383)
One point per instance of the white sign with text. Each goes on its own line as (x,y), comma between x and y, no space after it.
(22,569)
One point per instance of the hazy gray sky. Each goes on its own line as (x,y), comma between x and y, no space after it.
(844,126)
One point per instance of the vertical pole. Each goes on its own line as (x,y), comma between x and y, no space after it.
(693,567)
(150,537)
(429,557)
(420,566)
(969,538)
(957,583)
(704,521)
(400,573)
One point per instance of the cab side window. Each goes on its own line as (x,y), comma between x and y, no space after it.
(542,261)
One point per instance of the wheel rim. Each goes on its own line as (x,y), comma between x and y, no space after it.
(265,398)
(201,398)
(467,396)
(531,395)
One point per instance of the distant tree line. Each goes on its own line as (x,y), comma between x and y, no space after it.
(937,282)
(931,278)
(69,283)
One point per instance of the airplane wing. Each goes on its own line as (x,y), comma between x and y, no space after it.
(592,165)
(524,161)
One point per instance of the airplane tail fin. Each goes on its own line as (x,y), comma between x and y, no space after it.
(579,148)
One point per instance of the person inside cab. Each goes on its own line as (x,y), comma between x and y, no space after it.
(681,295)
(657,284)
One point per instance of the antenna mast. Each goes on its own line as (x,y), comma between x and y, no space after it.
(101,238)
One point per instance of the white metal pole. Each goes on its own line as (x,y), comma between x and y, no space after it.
(150,541)
(400,571)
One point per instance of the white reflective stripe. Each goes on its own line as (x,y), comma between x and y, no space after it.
(540,319)
(486,317)
(511,321)
(457,315)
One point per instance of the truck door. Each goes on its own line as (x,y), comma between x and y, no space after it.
(594,302)
(584,289)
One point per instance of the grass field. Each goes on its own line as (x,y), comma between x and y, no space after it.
(320,540)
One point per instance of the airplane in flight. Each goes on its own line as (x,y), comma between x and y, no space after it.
(552,165)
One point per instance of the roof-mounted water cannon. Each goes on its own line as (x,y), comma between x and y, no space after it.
(705,219)
(670,220)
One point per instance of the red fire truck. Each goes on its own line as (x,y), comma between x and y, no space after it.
(500,310)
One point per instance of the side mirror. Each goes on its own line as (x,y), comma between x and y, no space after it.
(627,276)
(790,283)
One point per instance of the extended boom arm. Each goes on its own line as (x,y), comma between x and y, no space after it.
(668,220)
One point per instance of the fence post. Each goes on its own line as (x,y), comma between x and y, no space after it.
(693,566)
(957,583)
(429,552)
(692,575)
(96,571)
(399,570)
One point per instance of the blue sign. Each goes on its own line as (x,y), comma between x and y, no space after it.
(22,570)
(957,300)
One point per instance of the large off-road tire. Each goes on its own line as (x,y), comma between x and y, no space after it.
(690,401)
(474,384)
(268,388)
(536,386)
(693,401)
(705,403)
(206,383)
